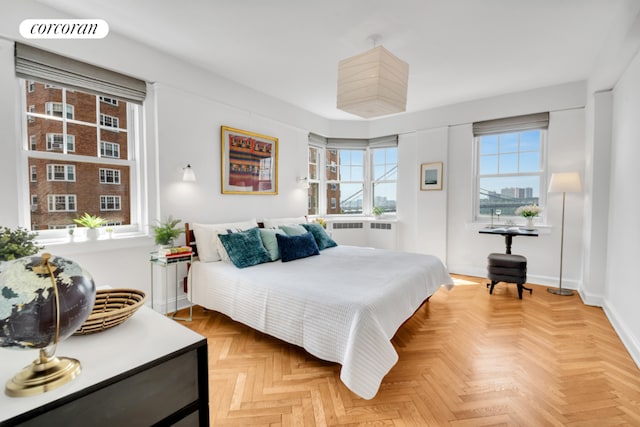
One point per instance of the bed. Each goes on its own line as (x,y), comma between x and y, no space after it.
(343,306)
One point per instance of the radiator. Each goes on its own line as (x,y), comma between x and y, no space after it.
(375,234)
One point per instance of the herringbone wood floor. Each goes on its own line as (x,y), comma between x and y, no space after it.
(467,358)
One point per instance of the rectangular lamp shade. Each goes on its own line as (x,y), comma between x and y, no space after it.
(373,84)
(566,182)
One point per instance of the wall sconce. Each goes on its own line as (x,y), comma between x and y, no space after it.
(303,182)
(188,174)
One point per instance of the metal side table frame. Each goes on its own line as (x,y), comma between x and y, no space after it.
(165,263)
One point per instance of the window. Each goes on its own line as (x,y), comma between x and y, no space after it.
(109,121)
(66,115)
(348,177)
(111,101)
(385,175)
(109,176)
(345,169)
(55,142)
(61,202)
(109,203)
(109,149)
(55,109)
(33,173)
(510,164)
(61,173)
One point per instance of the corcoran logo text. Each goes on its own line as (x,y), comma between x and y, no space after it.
(64,28)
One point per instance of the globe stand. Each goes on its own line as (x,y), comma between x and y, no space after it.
(44,374)
(48,371)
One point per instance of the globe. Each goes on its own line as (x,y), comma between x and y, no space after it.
(43,300)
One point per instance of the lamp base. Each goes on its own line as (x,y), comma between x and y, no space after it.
(42,376)
(560,291)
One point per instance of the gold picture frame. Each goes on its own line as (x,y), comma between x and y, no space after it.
(431,176)
(249,162)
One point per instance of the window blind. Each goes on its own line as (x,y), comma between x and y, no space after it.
(353,143)
(32,63)
(511,124)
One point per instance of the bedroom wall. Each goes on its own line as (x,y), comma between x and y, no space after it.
(622,291)
(422,215)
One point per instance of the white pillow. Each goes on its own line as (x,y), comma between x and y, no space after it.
(207,237)
(276,222)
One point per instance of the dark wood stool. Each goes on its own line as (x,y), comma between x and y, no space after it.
(507,268)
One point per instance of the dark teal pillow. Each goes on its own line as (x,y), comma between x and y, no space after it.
(296,247)
(245,248)
(322,238)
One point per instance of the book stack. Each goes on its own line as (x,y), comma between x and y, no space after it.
(175,254)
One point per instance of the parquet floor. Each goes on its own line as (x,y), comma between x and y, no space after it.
(467,358)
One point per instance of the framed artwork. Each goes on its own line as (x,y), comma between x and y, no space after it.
(249,162)
(431,176)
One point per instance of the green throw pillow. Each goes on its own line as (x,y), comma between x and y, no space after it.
(293,230)
(270,243)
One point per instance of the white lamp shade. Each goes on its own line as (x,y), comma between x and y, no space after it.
(188,174)
(373,84)
(565,182)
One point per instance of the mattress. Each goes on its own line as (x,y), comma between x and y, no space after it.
(343,305)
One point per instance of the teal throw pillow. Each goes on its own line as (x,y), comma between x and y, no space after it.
(270,243)
(245,248)
(296,247)
(322,238)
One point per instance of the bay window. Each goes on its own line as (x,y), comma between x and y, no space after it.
(352,176)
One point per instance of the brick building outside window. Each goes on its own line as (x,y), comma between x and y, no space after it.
(77,160)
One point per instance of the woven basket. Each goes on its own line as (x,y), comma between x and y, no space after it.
(112,307)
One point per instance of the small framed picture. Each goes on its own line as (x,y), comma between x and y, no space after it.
(431,176)
(249,162)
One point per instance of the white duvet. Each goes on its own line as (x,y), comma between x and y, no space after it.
(343,305)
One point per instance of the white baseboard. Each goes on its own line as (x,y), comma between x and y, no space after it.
(628,340)
(468,270)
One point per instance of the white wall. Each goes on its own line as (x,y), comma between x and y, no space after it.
(623,292)
(422,215)
(468,250)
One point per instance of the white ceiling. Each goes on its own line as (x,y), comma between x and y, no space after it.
(457,50)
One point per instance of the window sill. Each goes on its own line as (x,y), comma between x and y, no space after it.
(83,245)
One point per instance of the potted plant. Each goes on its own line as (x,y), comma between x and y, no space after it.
(166,232)
(528,212)
(17,243)
(92,222)
(377,212)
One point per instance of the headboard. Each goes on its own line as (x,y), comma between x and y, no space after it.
(190,238)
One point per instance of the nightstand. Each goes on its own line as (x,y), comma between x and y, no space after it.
(165,264)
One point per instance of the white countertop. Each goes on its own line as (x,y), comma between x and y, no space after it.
(144,337)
